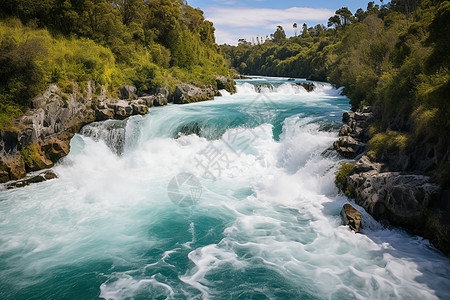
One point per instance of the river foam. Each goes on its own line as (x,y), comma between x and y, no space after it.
(266,226)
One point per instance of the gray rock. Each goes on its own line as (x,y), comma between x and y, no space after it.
(363,116)
(351,217)
(160,100)
(122,109)
(187,93)
(412,201)
(364,164)
(102,114)
(347,116)
(308,86)
(44,176)
(345,130)
(128,92)
(391,195)
(225,83)
(409,200)
(347,146)
(366,109)
(353,134)
(164,91)
(90,90)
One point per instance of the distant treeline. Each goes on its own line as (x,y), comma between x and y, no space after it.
(394,56)
(148,44)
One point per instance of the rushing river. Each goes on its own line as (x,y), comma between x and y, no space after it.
(225,199)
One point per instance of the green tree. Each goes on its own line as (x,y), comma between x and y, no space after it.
(305,30)
(279,35)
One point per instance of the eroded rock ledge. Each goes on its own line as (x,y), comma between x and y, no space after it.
(42,136)
(353,134)
(410,200)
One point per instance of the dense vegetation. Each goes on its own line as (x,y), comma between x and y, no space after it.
(395,57)
(148,44)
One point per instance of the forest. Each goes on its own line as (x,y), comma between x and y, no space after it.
(394,57)
(148,44)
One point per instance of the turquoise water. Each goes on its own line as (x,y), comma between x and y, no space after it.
(260,221)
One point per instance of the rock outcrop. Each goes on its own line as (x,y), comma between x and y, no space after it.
(44,176)
(43,134)
(411,200)
(189,93)
(120,109)
(128,92)
(351,217)
(353,134)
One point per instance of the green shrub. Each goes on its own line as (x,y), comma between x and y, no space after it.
(388,142)
(8,112)
(341,180)
(30,154)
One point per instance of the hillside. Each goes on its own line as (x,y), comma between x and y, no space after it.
(147,44)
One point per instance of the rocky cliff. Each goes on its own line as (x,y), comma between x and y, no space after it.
(411,199)
(42,135)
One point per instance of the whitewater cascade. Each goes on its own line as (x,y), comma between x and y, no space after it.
(231,198)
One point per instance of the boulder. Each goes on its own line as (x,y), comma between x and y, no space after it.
(128,92)
(44,176)
(348,116)
(345,130)
(353,134)
(164,91)
(102,114)
(402,199)
(139,107)
(308,86)
(351,217)
(123,109)
(363,116)
(366,109)
(160,100)
(239,76)
(347,146)
(48,175)
(364,164)
(11,168)
(55,149)
(187,93)
(225,83)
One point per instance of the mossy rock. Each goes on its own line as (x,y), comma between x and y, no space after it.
(34,161)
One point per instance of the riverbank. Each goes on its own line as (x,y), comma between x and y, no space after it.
(266,226)
(411,200)
(42,135)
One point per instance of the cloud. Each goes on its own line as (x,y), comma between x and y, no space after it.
(231,37)
(233,23)
(264,17)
